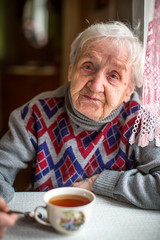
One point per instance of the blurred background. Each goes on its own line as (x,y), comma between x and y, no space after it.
(35,38)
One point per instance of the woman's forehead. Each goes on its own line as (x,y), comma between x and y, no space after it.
(103,47)
(101,42)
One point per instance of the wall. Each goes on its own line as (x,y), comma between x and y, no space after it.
(148,15)
(2,52)
(138,16)
(20,64)
(71,25)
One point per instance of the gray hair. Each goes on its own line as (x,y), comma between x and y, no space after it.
(120,33)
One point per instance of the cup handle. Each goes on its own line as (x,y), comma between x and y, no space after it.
(38,219)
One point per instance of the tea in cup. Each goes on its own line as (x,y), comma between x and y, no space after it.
(68,209)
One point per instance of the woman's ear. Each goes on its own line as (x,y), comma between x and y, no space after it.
(130,90)
(69,73)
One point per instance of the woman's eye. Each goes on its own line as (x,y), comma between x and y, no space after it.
(114,76)
(88,67)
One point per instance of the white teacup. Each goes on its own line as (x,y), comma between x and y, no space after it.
(67,218)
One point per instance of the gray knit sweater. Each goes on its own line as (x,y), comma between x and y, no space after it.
(139,186)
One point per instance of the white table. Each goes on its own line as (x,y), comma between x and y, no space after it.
(111,220)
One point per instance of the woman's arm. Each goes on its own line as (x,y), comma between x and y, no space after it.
(140,186)
(15,153)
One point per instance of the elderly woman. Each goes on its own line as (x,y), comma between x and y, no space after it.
(79,134)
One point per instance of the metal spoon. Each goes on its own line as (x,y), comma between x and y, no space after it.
(28,215)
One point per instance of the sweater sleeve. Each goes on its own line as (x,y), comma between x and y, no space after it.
(15,151)
(140,186)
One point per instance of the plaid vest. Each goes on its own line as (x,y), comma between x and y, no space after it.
(66,153)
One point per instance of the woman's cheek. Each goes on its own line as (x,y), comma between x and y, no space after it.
(111,97)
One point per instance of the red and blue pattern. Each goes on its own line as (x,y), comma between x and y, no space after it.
(65,153)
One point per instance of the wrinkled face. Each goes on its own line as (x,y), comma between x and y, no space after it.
(100,79)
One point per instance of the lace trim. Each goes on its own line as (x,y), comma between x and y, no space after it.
(149,113)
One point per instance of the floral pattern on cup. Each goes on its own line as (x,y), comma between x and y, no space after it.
(72,220)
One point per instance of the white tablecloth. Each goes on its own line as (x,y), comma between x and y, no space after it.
(110,220)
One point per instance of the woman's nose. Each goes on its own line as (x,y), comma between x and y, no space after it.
(96,84)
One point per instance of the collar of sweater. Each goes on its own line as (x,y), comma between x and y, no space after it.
(84,122)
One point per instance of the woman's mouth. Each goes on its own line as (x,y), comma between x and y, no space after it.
(91,98)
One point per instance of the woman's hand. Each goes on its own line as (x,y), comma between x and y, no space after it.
(87,183)
(6,220)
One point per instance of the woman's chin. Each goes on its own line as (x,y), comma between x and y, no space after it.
(90,110)
(91,114)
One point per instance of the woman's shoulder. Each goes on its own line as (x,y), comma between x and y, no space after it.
(45,101)
(59,92)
